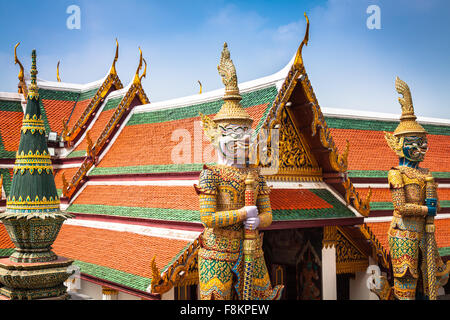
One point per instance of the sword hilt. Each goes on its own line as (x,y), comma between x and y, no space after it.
(431,198)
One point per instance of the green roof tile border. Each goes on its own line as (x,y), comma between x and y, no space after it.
(147,169)
(4,154)
(379,125)
(254,98)
(338,210)
(444,251)
(112,103)
(7,180)
(114,275)
(11,106)
(384,174)
(77,154)
(6,252)
(389,206)
(88,94)
(61,95)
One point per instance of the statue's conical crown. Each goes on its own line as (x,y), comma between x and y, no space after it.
(408,124)
(232,110)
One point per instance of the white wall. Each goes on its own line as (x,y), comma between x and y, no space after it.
(358,286)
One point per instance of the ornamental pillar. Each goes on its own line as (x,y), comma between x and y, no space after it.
(329,286)
(109,294)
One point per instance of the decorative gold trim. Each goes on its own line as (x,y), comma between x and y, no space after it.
(349,258)
(135,90)
(329,236)
(361,205)
(378,250)
(109,292)
(65,185)
(183,271)
(111,79)
(298,62)
(137,79)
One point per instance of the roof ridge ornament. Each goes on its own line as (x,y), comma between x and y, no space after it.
(137,78)
(298,56)
(22,84)
(116,57)
(57,72)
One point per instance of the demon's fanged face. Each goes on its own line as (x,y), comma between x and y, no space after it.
(415,147)
(234,141)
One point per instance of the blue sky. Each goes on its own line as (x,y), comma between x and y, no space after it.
(349,65)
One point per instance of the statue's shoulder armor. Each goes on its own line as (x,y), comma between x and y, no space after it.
(263,188)
(207,181)
(395,178)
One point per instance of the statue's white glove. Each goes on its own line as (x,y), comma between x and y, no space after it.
(252,223)
(252,211)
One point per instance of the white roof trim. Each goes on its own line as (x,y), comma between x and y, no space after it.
(370,115)
(65,86)
(11,96)
(176,234)
(112,95)
(213,95)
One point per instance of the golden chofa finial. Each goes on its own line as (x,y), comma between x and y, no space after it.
(57,72)
(298,57)
(116,57)
(22,86)
(200,84)
(137,78)
(33,90)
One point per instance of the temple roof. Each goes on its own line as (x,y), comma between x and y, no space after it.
(118,151)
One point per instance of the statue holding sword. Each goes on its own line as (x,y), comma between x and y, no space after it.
(417,267)
(234,204)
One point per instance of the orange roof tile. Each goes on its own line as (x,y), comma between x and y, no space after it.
(77,112)
(10,130)
(56,111)
(124,251)
(68,172)
(296,199)
(380,230)
(5,240)
(158,143)
(185,198)
(384,194)
(97,128)
(140,196)
(369,150)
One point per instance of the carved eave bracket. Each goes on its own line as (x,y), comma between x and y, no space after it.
(183,271)
(350,258)
(379,253)
(352,197)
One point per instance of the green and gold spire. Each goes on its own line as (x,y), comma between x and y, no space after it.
(33,217)
(33,187)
